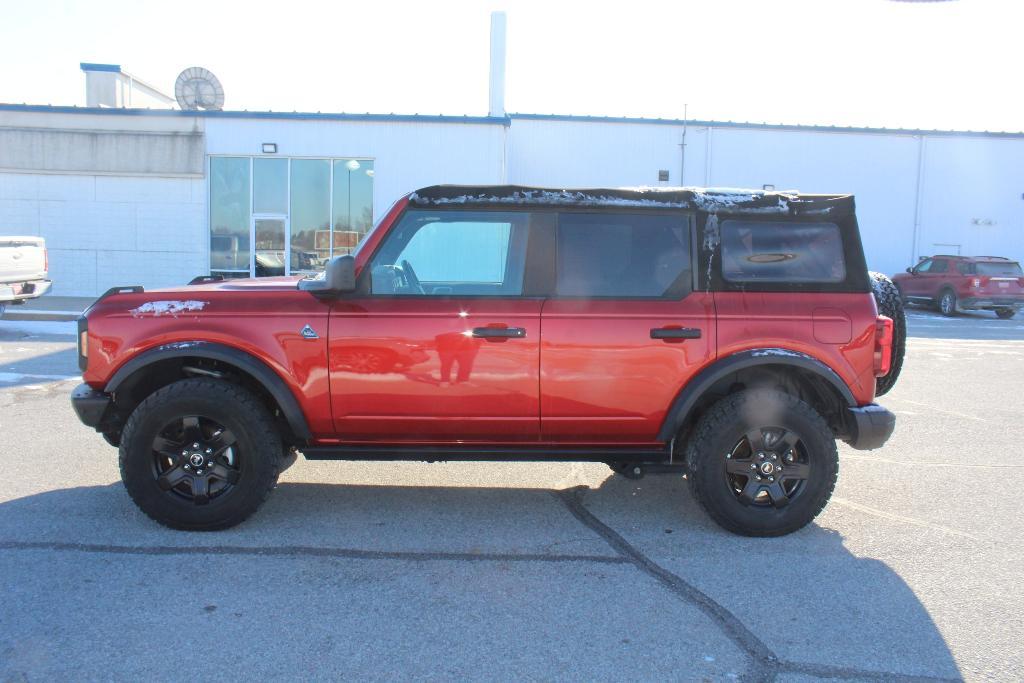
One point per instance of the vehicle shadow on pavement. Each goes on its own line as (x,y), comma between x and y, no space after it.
(47,367)
(799,605)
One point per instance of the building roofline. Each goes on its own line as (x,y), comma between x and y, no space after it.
(490,120)
(214,114)
(88,66)
(766,126)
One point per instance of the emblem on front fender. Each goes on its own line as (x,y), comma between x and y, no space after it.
(309,333)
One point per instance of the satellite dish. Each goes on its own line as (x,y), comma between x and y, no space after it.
(197,88)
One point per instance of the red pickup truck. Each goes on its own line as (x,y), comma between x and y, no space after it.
(963,283)
(729,335)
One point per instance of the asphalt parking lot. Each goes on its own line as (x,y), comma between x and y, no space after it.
(379,571)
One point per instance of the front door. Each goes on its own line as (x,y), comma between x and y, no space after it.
(270,236)
(440,344)
(624,330)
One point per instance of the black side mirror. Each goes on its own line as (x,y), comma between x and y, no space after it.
(910,270)
(337,278)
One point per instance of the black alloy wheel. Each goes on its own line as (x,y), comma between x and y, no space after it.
(196,458)
(767,467)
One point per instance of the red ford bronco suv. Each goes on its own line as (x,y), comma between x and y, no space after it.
(729,335)
(962,283)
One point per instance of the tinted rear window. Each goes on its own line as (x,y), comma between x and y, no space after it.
(1008,269)
(777,251)
(623,255)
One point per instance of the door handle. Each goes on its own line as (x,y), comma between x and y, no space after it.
(671,333)
(499,332)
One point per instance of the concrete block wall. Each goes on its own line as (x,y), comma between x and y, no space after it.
(103,230)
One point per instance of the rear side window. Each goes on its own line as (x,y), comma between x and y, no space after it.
(939,266)
(623,255)
(776,251)
(1008,269)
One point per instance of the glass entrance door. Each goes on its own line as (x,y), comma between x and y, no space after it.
(270,236)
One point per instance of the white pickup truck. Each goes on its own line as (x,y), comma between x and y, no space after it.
(23,270)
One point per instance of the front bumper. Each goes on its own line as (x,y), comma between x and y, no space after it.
(871,426)
(1014,302)
(90,405)
(19,291)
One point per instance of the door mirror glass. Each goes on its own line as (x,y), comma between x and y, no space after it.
(337,278)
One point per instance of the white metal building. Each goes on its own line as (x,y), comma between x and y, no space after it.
(156,196)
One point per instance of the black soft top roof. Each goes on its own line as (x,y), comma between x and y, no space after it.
(710,200)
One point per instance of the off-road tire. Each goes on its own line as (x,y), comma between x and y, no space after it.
(259,452)
(1005,313)
(716,434)
(889,301)
(947,309)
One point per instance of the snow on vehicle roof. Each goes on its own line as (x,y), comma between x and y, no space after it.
(710,200)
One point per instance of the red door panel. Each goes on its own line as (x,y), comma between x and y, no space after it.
(604,379)
(411,369)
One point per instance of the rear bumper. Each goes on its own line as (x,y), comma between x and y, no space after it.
(90,405)
(19,291)
(1014,302)
(872,425)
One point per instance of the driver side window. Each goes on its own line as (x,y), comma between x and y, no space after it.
(452,253)
(923,266)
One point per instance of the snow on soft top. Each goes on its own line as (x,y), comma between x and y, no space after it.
(172,308)
(711,200)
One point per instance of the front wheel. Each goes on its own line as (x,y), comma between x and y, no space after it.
(200,454)
(762,463)
(1005,313)
(947,303)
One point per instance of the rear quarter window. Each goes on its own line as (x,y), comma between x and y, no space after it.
(778,251)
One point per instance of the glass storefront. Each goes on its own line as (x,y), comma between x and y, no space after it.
(279,216)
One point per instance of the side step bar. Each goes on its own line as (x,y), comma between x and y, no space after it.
(440,453)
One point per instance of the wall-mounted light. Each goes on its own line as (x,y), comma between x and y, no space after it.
(270,148)
(768,186)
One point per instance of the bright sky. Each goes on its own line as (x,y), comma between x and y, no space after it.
(953,64)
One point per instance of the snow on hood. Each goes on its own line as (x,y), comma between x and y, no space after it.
(171,308)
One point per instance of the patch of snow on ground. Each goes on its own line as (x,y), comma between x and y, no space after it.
(36,328)
(172,308)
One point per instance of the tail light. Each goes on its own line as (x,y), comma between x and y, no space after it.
(83,343)
(883,345)
(976,282)
(46,260)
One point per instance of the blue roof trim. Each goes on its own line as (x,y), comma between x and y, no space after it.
(491,120)
(766,126)
(306,116)
(114,68)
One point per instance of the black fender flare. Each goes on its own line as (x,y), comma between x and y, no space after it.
(706,378)
(243,360)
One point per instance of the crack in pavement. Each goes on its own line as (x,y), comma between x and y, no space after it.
(765,665)
(311,551)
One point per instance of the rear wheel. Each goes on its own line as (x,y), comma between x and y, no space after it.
(947,303)
(762,463)
(889,300)
(200,454)
(1006,313)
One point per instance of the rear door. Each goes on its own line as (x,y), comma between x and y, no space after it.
(440,344)
(623,330)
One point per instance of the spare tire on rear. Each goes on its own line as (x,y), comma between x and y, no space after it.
(890,304)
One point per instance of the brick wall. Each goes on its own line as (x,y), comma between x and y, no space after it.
(104,230)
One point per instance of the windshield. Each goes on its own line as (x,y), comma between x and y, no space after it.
(1007,268)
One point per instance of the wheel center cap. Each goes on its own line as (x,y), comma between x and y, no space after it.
(767,468)
(196,459)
